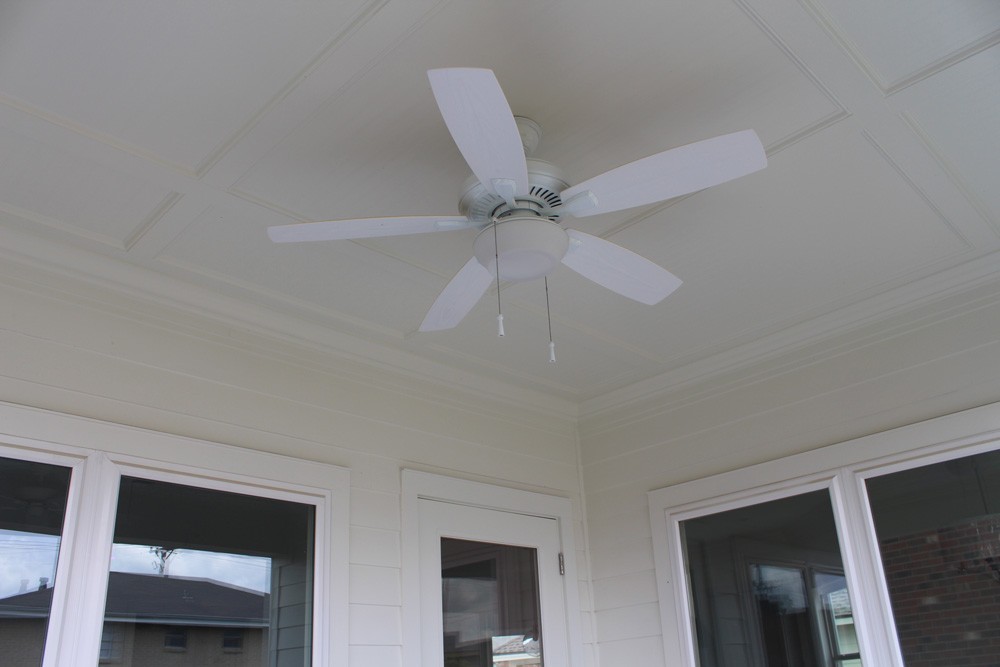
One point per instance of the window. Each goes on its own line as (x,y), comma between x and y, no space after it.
(112,641)
(175,639)
(203,559)
(838,617)
(767,585)
(232,640)
(938,530)
(483,586)
(489,595)
(186,521)
(32,507)
(883,551)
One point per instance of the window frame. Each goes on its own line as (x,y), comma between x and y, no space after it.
(112,636)
(842,469)
(233,640)
(99,453)
(175,639)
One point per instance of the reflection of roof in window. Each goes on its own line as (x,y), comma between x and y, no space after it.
(144,598)
(514,644)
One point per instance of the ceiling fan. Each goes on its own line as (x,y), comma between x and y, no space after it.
(518,203)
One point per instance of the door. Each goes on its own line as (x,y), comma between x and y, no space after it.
(490,588)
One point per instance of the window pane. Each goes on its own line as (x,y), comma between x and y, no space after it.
(768,587)
(32,508)
(490,603)
(204,577)
(938,529)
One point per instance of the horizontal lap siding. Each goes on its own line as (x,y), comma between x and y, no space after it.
(840,390)
(63,355)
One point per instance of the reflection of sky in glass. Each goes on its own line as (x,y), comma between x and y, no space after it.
(470,608)
(25,558)
(250,572)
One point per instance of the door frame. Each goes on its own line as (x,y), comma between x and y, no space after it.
(417,485)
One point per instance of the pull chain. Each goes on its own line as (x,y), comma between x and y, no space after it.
(496,256)
(548,313)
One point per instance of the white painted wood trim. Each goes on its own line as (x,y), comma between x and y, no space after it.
(417,485)
(100,452)
(84,558)
(865,578)
(842,468)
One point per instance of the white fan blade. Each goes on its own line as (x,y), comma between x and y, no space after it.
(458,297)
(618,269)
(481,123)
(363,228)
(672,173)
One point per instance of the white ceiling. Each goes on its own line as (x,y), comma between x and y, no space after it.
(148,146)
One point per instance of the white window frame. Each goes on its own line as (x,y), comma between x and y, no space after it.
(418,485)
(842,470)
(99,453)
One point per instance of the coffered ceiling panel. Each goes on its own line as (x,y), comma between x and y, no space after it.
(958,112)
(174,79)
(335,281)
(50,190)
(898,39)
(803,238)
(380,148)
(160,140)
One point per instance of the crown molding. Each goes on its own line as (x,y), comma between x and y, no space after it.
(118,287)
(919,303)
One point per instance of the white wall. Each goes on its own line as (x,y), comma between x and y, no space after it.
(937,360)
(83,352)
(100,356)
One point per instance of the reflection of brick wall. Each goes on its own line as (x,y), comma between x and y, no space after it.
(945,597)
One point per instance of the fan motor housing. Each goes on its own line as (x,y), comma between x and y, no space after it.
(528,247)
(545,182)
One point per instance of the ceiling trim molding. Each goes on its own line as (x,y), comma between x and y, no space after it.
(99,137)
(879,315)
(368,11)
(889,88)
(130,291)
(951,171)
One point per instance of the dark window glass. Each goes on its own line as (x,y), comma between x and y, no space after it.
(938,530)
(232,640)
(768,587)
(199,572)
(490,603)
(175,639)
(112,641)
(32,509)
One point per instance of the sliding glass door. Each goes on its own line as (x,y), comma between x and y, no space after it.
(767,586)
(887,556)
(33,499)
(938,529)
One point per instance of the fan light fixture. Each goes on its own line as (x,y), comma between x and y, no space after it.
(527,248)
(519,203)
